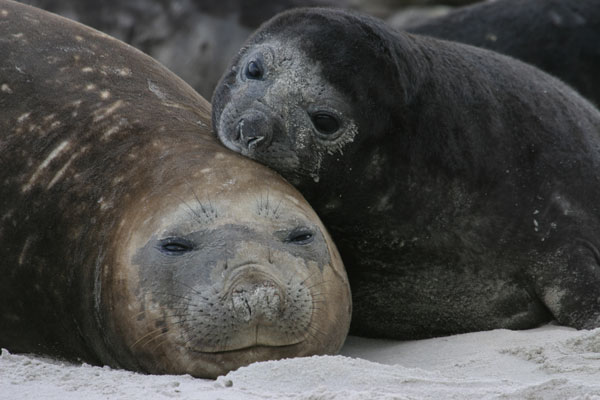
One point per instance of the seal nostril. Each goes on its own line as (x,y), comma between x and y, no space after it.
(237,134)
(253,141)
(257,302)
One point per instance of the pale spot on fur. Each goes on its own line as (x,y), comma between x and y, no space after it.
(53,154)
(90,86)
(17,35)
(64,168)
(79,38)
(205,170)
(104,205)
(110,132)
(24,250)
(6,89)
(23,117)
(156,90)
(553,299)
(102,113)
(219,156)
(105,94)
(3,13)
(87,69)
(124,71)
(61,172)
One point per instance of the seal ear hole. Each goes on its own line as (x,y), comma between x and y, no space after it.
(325,122)
(254,70)
(300,236)
(175,246)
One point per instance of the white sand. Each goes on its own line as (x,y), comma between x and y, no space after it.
(550,362)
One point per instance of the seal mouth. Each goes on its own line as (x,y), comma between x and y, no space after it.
(256,347)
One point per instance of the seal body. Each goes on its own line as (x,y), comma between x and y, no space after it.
(558,36)
(129,235)
(460,185)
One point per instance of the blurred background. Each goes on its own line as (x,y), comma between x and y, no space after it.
(196,39)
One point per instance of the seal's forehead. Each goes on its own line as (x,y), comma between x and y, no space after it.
(290,70)
(200,210)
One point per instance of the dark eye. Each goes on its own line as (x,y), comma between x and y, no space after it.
(254,70)
(325,123)
(300,236)
(175,246)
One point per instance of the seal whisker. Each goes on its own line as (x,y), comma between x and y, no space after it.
(195,291)
(148,334)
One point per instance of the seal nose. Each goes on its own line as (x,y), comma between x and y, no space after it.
(253,130)
(259,302)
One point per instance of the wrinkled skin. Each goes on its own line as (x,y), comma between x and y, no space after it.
(130,236)
(459,185)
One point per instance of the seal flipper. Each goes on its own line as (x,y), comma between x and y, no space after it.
(569,285)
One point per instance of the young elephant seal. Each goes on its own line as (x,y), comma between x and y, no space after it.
(461,186)
(130,236)
(558,36)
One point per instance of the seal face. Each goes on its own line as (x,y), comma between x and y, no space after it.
(291,136)
(130,236)
(225,278)
(456,182)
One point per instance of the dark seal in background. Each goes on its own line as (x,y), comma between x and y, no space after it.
(460,185)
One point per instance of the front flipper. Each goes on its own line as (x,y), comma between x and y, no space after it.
(569,284)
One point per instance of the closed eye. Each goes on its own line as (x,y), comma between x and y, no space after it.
(175,246)
(300,236)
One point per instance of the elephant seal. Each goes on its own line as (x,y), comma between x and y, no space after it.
(558,36)
(460,185)
(130,236)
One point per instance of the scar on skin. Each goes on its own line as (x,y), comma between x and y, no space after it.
(53,154)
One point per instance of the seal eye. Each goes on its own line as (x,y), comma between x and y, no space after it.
(175,246)
(325,123)
(300,236)
(254,70)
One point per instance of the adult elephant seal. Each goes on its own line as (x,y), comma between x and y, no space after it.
(558,36)
(130,236)
(461,186)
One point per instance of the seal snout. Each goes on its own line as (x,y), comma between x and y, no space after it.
(257,302)
(253,130)
(256,297)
